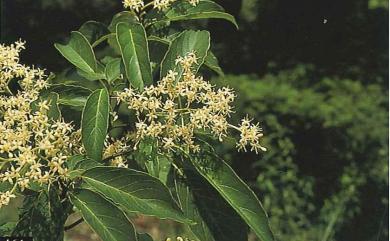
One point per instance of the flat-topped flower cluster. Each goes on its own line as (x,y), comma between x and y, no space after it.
(33,147)
(183,104)
(161,5)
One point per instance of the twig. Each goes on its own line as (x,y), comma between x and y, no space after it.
(66,228)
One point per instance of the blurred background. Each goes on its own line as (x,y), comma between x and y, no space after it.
(314,73)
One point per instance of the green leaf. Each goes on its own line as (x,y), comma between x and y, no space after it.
(212,62)
(94,124)
(43,216)
(78,164)
(186,42)
(183,10)
(113,69)
(222,177)
(79,52)
(135,191)
(93,31)
(71,95)
(157,48)
(134,48)
(215,219)
(97,75)
(107,220)
(144,237)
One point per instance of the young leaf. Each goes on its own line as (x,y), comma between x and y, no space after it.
(183,10)
(107,220)
(222,177)
(135,191)
(186,42)
(94,124)
(79,52)
(134,48)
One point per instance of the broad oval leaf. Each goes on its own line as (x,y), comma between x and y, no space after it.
(79,52)
(134,49)
(186,42)
(135,191)
(107,220)
(94,123)
(183,10)
(222,177)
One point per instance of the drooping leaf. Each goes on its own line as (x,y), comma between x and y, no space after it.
(183,10)
(79,52)
(215,219)
(134,49)
(94,124)
(212,62)
(135,191)
(222,177)
(187,42)
(107,220)
(93,31)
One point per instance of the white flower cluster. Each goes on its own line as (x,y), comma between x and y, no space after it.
(114,148)
(180,105)
(178,239)
(33,147)
(160,5)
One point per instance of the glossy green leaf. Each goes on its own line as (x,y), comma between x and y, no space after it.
(113,69)
(183,10)
(215,219)
(94,124)
(186,42)
(93,31)
(222,177)
(135,191)
(79,52)
(134,49)
(107,220)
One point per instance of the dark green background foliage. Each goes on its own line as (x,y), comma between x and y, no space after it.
(314,73)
